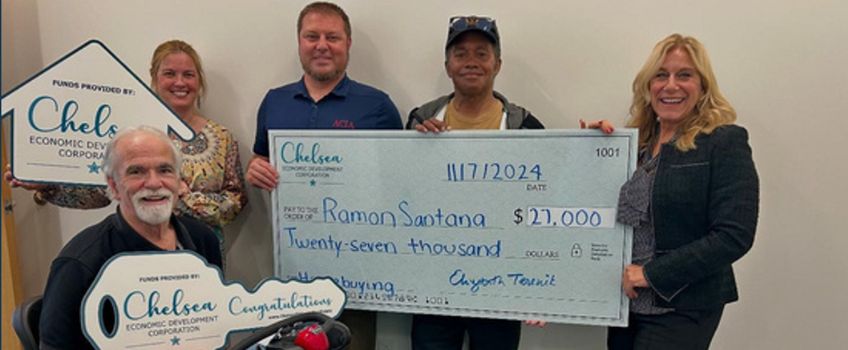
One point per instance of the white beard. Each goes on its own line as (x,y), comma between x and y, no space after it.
(153,214)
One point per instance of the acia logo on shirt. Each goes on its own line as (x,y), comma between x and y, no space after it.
(343,124)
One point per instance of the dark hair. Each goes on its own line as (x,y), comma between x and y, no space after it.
(326,8)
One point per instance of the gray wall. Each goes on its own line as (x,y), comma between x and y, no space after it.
(781,63)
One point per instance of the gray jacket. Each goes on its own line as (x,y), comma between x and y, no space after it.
(516,116)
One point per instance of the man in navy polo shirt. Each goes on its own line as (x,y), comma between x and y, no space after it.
(325,98)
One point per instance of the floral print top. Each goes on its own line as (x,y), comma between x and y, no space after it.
(211,168)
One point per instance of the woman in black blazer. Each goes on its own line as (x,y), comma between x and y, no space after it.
(693,202)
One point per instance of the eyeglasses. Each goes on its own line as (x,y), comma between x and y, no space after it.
(458,23)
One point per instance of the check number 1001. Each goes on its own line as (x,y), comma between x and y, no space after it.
(571,217)
(607,152)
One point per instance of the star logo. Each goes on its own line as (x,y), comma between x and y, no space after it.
(175,341)
(93,168)
(312,182)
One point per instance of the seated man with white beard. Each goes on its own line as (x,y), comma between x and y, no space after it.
(141,166)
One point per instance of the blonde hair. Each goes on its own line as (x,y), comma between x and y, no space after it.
(172,47)
(711,110)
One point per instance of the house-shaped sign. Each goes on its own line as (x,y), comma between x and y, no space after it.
(63,117)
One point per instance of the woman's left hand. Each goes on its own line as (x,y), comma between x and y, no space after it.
(29,186)
(603,124)
(634,277)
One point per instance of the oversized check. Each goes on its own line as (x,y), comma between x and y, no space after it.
(500,224)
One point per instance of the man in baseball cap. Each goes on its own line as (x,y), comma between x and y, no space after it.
(472,61)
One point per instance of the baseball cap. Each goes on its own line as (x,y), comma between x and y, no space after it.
(463,24)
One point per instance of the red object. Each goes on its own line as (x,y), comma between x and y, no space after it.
(312,337)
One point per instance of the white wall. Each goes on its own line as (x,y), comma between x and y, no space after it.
(781,63)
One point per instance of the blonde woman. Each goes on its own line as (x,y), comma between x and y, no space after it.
(693,202)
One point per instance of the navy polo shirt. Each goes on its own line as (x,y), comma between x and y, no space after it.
(351,105)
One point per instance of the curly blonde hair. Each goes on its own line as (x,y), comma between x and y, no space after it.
(711,110)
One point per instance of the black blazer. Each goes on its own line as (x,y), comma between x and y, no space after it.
(705,206)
